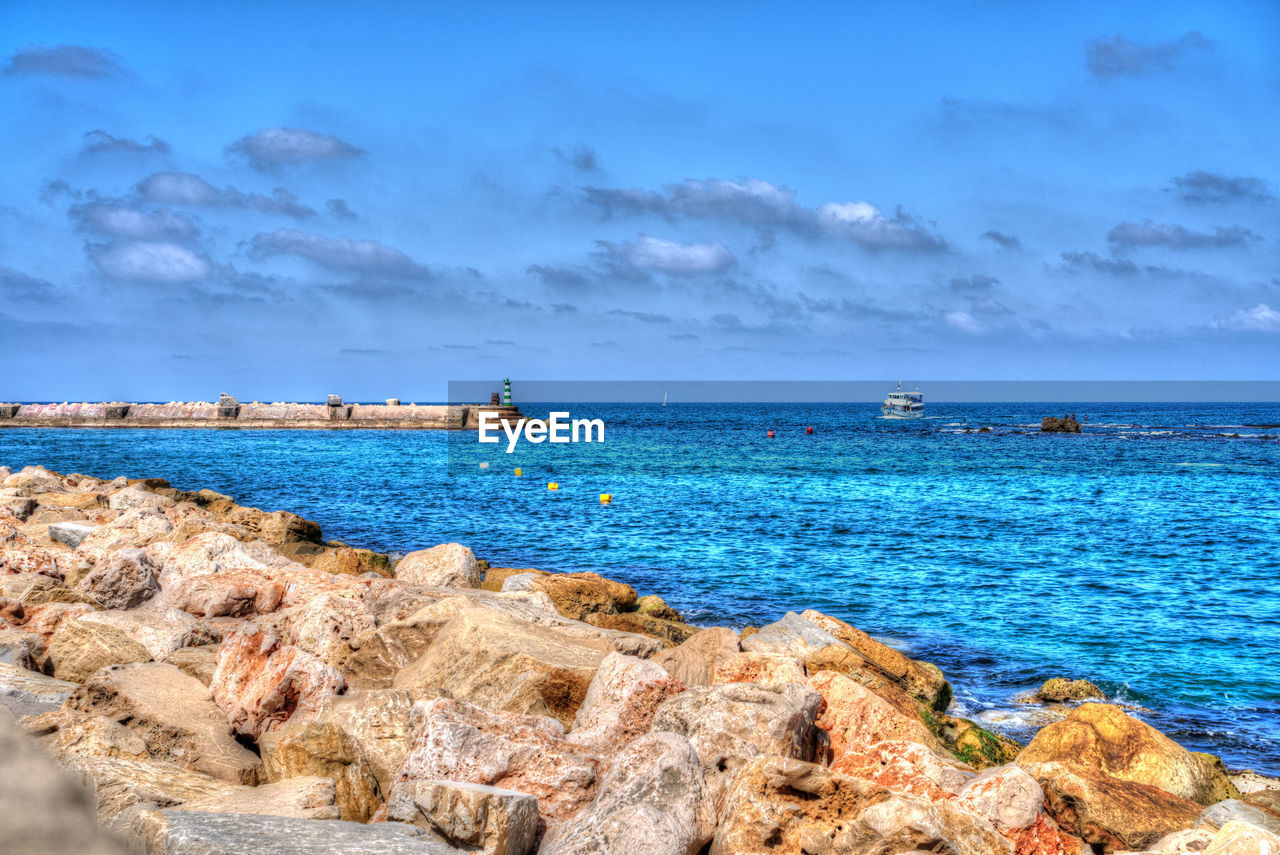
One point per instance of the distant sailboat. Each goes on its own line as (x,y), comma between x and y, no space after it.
(664,399)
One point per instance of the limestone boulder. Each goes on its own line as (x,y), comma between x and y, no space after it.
(24,692)
(449,565)
(35,479)
(173,713)
(729,725)
(1060,689)
(73,501)
(1006,796)
(504,664)
(70,533)
(457,741)
(1110,813)
(326,626)
(381,723)
(304,797)
(792,636)
(274,528)
(378,655)
(138,496)
(654,605)
(1241,838)
(65,733)
(1228,810)
(1103,736)
(654,799)
(473,817)
(199,661)
(856,717)
(621,702)
(125,580)
(695,661)
(904,767)
(181,832)
(669,631)
(21,649)
(759,668)
(903,821)
(45,619)
(122,788)
(260,683)
(325,750)
(160,632)
(494,577)
(135,528)
(577,595)
(80,648)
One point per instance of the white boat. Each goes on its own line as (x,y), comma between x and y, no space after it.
(903,405)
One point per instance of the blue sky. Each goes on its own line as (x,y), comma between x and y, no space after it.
(282,201)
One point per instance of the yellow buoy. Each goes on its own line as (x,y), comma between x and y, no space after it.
(517,471)
(553,486)
(606,498)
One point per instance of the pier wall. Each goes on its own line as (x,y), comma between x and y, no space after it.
(279,415)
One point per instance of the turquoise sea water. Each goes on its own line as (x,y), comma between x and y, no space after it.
(1143,555)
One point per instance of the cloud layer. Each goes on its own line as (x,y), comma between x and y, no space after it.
(273,148)
(64,61)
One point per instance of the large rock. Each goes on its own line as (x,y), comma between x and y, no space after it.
(577,595)
(503,663)
(179,832)
(1053,424)
(1103,736)
(160,632)
(904,767)
(695,661)
(82,647)
(174,715)
(65,733)
(200,661)
(381,723)
(137,496)
(21,649)
(1234,809)
(730,724)
(489,820)
(1241,838)
(759,668)
(856,717)
(654,800)
(135,528)
(1060,689)
(70,533)
(449,565)
(24,692)
(621,702)
(669,631)
(788,806)
(126,579)
(307,797)
(43,810)
(461,742)
(326,626)
(792,636)
(1007,796)
(260,683)
(325,750)
(1111,813)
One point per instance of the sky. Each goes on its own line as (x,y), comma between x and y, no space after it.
(283,201)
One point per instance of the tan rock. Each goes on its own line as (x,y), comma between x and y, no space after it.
(259,683)
(695,661)
(473,817)
(730,724)
(79,501)
(462,742)
(24,692)
(125,580)
(352,562)
(495,576)
(621,702)
(577,595)
(45,619)
(327,625)
(173,713)
(35,479)
(378,655)
(1059,689)
(759,668)
(1109,812)
(504,664)
(1103,736)
(304,797)
(135,528)
(654,605)
(380,721)
(21,649)
(904,767)
(70,732)
(160,632)
(123,788)
(449,565)
(275,527)
(669,631)
(792,636)
(82,647)
(904,821)
(654,800)
(199,661)
(322,749)
(1241,838)
(856,717)
(1007,796)
(137,496)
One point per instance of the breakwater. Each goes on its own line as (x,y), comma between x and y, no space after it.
(228,413)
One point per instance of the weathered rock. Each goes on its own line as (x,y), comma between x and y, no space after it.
(654,799)
(43,810)
(260,683)
(971,743)
(577,595)
(495,576)
(71,534)
(21,649)
(1106,811)
(730,724)
(123,788)
(676,633)
(381,723)
(81,734)
(921,680)
(82,647)
(759,668)
(24,692)
(325,750)
(327,625)
(856,717)
(274,528)
(482,819)
(45,619)
(904,821)
(199,661)
(449,565)
(1218,815)
(160,632)
(137,496)
(461,742)
(179,832)
(352,562)
(657,607)
(172,711)
(126,580)
(21,507)
(135,528)
(1102,736)
(1060,689)
(1241,838)
(792,636)
(304,797)
(74,501)
(1187,840)
(904,767)
(695,661)
(621,701)
(504,664)
(1006,796)
(1066,424)
(378,655)
(35,479)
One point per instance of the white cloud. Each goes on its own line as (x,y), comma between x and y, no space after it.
(345,254)
(270,148)
(151,261)
(183,188)
(1261,318)
(963,321)
(120,220)
(649,253)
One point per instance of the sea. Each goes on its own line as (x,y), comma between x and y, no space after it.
(1142,554)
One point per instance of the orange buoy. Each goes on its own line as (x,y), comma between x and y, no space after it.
(769,434)
(808,430)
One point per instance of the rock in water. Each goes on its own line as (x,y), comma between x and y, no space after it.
(1051,424)
(489,820)
(1103,736)
(653,800)
(450,565)
(1060,689)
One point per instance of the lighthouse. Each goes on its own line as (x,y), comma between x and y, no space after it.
(506,392)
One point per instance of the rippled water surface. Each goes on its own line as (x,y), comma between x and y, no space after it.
(1143,555)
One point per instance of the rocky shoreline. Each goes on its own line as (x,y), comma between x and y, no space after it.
(181,674)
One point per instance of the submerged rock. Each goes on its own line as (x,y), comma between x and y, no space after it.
(1060,689)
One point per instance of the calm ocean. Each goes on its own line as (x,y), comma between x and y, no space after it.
(1143,555)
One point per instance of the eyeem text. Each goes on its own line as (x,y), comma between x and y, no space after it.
(559,427)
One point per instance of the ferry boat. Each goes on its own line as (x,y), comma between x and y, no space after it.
(903,405)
